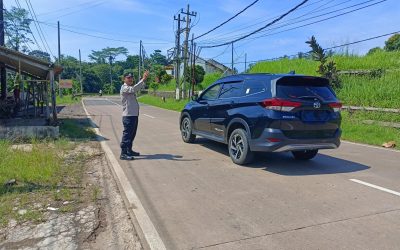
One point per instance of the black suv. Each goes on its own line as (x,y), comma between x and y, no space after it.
(265,112)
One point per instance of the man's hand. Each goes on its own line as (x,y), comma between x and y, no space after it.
(145,75)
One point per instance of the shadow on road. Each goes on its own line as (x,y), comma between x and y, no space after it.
(285,164)
(164,157)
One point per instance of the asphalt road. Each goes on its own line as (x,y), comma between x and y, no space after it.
(197,198)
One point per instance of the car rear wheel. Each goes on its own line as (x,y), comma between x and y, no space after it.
(239,149)
(186,130)
(304,154)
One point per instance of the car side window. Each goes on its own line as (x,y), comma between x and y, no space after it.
(253,87)
(212,93)
(231,89)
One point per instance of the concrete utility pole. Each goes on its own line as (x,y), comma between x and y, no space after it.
(80,70)
(177,57)
(192,69)
(110,58)
(3,75)
(186,45)
(245,62)
(140,60)
(232,60)
(59,58)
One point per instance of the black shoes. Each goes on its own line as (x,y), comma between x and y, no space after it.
(126,157)
(133,153)
(128,154)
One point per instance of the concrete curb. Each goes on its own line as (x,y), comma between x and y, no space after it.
(146,231)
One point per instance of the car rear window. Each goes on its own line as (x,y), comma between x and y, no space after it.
(253,87)
(305,89)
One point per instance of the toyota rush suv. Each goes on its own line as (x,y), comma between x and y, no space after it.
(265,113)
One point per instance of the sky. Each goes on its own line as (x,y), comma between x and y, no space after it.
(84,24)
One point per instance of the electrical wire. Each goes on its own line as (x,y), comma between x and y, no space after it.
(330,48)
(100,37)
(32,10)
(258,30)
(237,14)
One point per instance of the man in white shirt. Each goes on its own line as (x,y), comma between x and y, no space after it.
(130,114)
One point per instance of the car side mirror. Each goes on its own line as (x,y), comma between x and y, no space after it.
(195,97)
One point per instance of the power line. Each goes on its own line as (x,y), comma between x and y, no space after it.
(315,10)
(99,37)
(64,9)
(82,9)
(333,47)
(237,14)
(40,31)
(258,30)
(318,21)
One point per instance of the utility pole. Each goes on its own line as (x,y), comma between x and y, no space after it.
(80,70)
(3,74)
(110,58)
(140,60)
(192,69)
(186,45)
(59,59)
(177,57)
(232,60)
(245,62)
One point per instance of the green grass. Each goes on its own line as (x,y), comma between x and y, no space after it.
(208,80)
(76,129)
(39,167)
(67,99)
(169,103)
(355,130)
(371,92)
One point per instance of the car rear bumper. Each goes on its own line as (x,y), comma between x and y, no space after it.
(285,144)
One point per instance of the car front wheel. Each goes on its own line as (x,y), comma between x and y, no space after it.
(239,149)
(304,154)
(186,130)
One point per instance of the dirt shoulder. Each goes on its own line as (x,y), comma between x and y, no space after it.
(83,211)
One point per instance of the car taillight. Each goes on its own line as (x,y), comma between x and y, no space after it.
(280,105)
(336,106)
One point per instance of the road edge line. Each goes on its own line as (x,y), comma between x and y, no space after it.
(147,231)
(376,187)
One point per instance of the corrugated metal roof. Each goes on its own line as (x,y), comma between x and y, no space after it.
(28,64)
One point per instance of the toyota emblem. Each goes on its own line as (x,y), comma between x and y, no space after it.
(317,105)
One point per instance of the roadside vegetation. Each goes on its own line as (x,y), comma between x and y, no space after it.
(42,176)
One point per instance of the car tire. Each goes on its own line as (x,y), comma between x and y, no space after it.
(186,130)
(305,155)
(239,149)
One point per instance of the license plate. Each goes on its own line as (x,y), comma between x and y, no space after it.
(315,116)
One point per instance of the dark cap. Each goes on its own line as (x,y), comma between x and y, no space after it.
(128,75)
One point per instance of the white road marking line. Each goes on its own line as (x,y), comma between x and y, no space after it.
(375,186)
(370,146)
(149,231)
(149,116)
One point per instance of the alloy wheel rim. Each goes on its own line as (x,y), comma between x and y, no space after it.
(237,146)
(185,128)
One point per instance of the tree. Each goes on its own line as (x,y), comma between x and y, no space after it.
(41,55)
(104,55)
(374,50)
(325,69)
(157,58)
(393,43)
(17,29)
(199,73)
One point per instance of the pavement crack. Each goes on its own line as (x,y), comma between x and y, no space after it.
(299,228)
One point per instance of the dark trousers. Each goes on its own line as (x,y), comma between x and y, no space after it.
(128,135)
